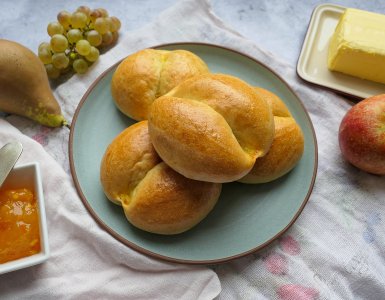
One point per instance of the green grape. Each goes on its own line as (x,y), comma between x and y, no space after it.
(44,45)
(115,24)
(107,38)
(80,66)
(110,25)
(55,28)
(93,55)
(94,38)
(74,35)
(115,36)
(78,20)
(103,12)
(101,25)
(60,60)
(73,55)
(75,38)
(85,10)
(64,18)
(83,47)
(45,55)
(52,72)
(94,14)
(59,43)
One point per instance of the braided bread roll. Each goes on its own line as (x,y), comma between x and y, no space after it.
(211,127)
(145,75)
(154,197)
(287,147)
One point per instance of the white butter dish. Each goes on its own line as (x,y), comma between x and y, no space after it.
(312,62)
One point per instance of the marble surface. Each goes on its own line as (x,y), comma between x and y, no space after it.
(276,26)
(279,26)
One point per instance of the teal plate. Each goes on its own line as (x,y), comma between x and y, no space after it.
(246,217)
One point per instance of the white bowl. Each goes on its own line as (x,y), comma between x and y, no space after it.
(28,176)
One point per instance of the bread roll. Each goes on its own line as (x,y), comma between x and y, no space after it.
(287,147)
(145,75)
(154,197)
(211,127)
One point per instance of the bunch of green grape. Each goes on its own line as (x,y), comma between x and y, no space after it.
(76,39)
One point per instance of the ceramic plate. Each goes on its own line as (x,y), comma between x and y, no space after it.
(312,62)
(246,218)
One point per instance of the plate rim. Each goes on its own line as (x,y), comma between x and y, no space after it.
(145,251)
(316,13)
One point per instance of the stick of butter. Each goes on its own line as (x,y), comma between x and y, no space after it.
(357,46)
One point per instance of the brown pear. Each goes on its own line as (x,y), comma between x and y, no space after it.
(24,86)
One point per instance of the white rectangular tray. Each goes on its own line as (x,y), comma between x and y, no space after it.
(312,62)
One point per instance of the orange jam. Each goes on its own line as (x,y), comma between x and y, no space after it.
(19,224)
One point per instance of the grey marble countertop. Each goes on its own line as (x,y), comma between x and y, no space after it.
(275,25)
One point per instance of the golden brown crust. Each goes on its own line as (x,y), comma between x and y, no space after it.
(287,147)
(154,197)
(126,161)
(145,75)
(211,127)
(278,107)
(169,203)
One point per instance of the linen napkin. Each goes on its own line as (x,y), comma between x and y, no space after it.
(333,251)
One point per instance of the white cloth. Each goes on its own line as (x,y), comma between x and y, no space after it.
(333,251)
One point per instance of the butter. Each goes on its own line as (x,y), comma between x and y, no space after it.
(357,46)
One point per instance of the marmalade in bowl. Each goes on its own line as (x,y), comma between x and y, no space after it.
(19,224)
